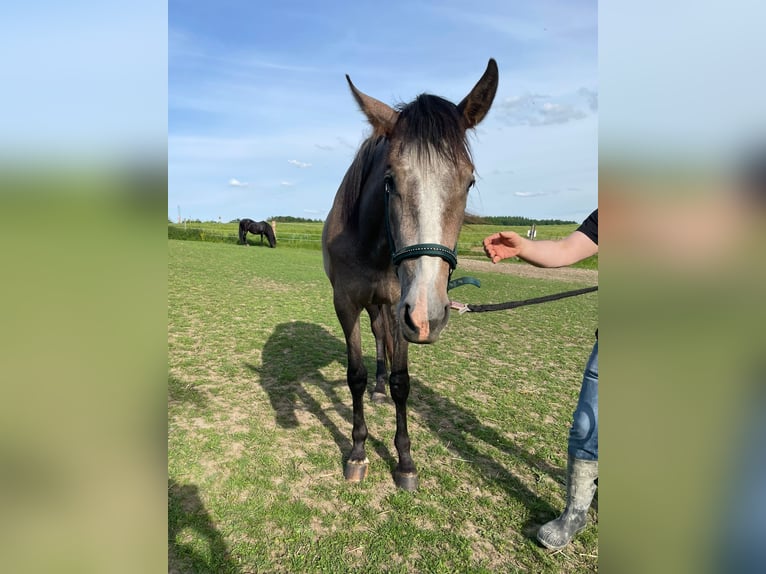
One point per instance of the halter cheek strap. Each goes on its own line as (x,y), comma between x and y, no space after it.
(420,249)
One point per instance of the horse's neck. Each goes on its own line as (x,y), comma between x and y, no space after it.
(371,224)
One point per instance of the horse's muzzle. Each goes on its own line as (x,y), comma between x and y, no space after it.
(424,306)
(419,327)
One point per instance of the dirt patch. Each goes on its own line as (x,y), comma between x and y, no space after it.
(567,274)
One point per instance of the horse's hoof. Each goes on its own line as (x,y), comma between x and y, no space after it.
(355,471)
(406,480)
(378,397)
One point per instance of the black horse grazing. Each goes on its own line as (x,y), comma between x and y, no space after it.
(256,228)
(389,242)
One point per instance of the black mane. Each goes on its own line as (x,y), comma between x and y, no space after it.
(432,124)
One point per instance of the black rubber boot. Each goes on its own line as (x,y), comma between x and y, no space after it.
(581,486)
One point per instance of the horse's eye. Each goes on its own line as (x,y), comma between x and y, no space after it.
(388,183)
(470,185)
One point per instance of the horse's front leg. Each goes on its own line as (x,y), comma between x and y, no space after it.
(380,329)
(405,473)
(356,376)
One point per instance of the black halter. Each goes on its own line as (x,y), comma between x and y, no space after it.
(419,249)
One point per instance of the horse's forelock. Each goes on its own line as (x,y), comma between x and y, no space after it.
(429,125)
(433,125)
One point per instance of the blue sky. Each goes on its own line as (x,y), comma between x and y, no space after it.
(261,121)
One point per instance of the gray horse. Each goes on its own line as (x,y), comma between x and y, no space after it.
(389,243)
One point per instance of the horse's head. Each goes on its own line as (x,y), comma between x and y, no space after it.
(426,183)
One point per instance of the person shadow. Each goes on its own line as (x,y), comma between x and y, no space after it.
(180,392)
(291,362)
(189,521)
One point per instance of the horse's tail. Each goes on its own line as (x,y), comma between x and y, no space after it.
(270,234)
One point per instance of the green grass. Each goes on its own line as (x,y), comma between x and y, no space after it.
(309,235)
(260,424)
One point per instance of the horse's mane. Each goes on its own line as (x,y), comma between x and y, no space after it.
(430,124)
(357,175)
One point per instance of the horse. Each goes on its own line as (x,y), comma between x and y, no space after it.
(389,244)
(256,228)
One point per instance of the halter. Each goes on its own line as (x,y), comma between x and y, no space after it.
(419,249)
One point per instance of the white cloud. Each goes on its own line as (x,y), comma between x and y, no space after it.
(345,143)
(540,109)
(531,193)
(550,113)
(325,147)
(591,97)
(286,183)
(526,101)
(236,183)
(299,164)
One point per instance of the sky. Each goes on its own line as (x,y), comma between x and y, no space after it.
(261,121)
(77,86)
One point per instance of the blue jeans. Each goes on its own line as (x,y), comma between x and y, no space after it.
(583,436)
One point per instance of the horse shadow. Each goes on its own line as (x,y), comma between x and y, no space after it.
(454,431)
(291,361)
(187,511)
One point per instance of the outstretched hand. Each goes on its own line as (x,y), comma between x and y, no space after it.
(503,245)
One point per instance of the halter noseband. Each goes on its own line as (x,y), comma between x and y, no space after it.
(413,251)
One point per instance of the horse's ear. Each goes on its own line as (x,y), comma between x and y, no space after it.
(475,105)
(380,115)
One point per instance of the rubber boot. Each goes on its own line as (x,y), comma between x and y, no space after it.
(581,486)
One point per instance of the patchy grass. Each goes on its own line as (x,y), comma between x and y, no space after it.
(260,424)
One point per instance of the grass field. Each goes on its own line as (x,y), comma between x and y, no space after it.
(309,235)
(259,426)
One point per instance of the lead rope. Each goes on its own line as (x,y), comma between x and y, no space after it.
(464,308)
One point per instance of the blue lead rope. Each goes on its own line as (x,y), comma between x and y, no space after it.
(463,281)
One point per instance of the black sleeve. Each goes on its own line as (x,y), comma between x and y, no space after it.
(590,227)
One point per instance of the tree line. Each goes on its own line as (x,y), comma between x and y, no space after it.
(512,220)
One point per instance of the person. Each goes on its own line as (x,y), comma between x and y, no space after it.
(582,451)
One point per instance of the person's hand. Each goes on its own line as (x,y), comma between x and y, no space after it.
(503,245)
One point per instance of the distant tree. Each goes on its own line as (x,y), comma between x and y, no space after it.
(516,220)
(471,219)
(291,219)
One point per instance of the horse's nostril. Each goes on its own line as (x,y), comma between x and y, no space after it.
(408,319)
